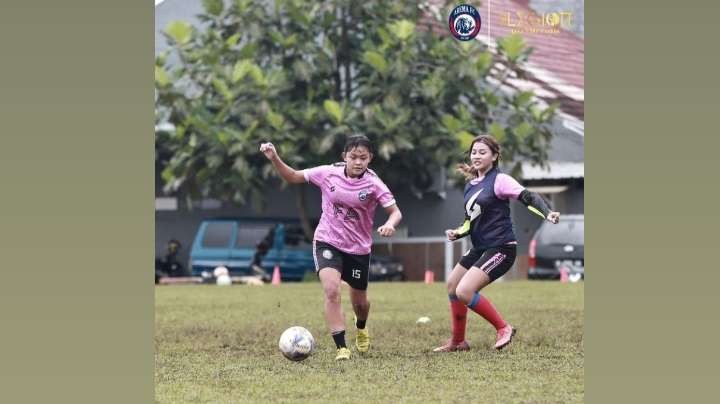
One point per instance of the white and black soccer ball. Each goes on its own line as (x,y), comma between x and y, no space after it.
(296,343)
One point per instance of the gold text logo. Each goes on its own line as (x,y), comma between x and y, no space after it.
(520,21)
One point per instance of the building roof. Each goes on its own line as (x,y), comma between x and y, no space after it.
(556,67)
(555,170)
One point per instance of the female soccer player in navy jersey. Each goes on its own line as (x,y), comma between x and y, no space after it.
(488,222)
(341,245)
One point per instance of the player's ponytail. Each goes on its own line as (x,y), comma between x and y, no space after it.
(466,170)
(471,172)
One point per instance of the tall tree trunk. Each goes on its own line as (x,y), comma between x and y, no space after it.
(302,211)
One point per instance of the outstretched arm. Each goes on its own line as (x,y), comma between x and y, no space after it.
(536,204)
(507,187)
(289,174)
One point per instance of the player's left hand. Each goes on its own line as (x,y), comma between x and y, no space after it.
(386,230)
(553,217)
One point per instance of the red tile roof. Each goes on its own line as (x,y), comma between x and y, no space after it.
(560,54)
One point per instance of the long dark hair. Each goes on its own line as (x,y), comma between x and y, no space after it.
(471,172)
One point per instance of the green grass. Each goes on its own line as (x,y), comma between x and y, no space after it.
(219,344)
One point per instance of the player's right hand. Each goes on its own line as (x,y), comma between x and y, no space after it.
(268,150)
(553,217)
(451,234)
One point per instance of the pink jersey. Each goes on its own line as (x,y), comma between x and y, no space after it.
(348,206)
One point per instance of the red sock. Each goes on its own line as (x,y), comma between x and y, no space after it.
(458,312)
(482,306)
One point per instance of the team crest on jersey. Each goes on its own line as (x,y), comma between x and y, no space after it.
(363,194)
(464,22)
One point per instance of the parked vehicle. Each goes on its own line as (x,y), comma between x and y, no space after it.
(254,246)
(384,268)
(241,244)
(558,245)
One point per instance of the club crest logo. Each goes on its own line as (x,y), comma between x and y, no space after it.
(464,22)
(327,254)
(363,194)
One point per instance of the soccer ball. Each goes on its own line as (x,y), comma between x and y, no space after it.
(423,320)
(296,343)
(224,280)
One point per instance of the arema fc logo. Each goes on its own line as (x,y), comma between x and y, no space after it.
(464,22)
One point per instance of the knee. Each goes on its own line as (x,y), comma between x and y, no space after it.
(332,292)
(452,288)
(464,294)
(361,305)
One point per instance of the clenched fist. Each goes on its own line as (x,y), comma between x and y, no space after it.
(553,217)
(268,149)
(386,230)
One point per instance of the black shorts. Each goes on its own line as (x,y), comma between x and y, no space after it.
(354,269)
(494,261)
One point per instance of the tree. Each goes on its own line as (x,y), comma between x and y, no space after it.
(306,74)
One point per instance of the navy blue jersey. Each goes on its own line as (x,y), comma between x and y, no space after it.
(489,215)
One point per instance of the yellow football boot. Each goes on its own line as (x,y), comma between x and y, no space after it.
(362,339)
(343,354)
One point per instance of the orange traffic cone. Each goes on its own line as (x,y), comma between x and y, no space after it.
(276,275)
(564,275)
(429,276)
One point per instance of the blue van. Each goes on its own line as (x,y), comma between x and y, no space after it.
(238,243)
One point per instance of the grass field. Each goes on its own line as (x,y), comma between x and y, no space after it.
(219,344)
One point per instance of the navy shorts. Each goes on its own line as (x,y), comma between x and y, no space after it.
(354,269)
(494,261)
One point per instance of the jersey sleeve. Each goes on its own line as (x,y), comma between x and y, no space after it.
(384,197)
(506,187)
(316,175)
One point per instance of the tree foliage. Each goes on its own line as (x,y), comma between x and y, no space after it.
(305,74)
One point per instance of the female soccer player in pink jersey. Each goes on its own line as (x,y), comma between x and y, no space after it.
(488,223)
(341,245)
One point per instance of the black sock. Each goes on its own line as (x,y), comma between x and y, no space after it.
(360,324)
(339,338)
